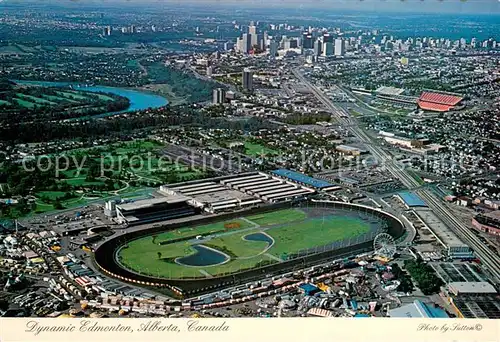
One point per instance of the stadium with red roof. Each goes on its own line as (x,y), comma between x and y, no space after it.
(438,102)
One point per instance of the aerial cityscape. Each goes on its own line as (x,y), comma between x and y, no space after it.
(233,159)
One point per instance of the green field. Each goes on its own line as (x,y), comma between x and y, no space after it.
(255,150)
(25,104)
(34,99)
(293,231)
(58,99)
(72,95)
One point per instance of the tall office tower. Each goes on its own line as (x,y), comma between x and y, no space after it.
(228,45)
(327,49)
(294,43)
(246,44)
(339,47)
(108,30)
(247,80)
(307,42)
(266,38)
(286,44)
(210,71)
(261,43)
(273,49)
(133,29)
(252,29)
(219,96)
(327,38)
(317,47)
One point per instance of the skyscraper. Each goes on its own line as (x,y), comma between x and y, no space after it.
(247,80)
(273,49)
(327,38)
(327,49)
(317,47)
(307,41)
(339,47)
(219,96)
(252,29)
(246,44)
(106,31)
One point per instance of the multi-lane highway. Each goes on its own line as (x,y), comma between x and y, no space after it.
(489,258)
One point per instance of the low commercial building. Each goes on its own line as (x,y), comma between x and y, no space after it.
(411,200)
(418,309)
(350,150)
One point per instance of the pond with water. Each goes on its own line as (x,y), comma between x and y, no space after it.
(204,256)
(259,237)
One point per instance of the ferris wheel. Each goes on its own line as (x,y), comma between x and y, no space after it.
(384,245)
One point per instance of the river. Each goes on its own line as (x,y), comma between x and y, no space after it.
(138,100)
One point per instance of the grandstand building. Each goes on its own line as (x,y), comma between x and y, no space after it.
(154,210)
(438,102)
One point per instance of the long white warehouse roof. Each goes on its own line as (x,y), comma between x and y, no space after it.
(260,190)
(283,190)
(259,184)
(236,178)
(285,194)
(207,191)
(245,179)
(184,187)
(206,187)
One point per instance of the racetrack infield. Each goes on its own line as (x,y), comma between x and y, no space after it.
(275,236)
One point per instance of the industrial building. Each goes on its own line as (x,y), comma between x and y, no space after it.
(488,222)
(304,180)
(455,247)
(459,272)
(473,299)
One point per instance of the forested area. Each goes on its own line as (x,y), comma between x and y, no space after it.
(122,125)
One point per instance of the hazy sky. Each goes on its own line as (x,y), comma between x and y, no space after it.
(437,6)
(456,6)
